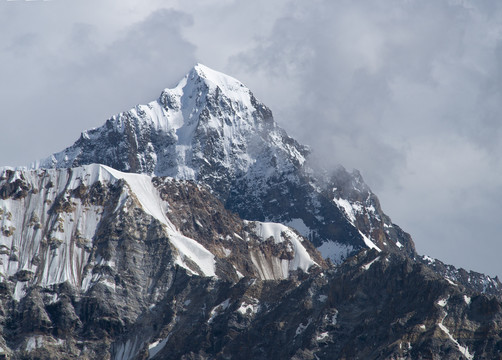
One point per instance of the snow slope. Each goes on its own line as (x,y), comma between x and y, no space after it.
(210,128)
(49,228)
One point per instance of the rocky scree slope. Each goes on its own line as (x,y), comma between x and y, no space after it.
(210,128)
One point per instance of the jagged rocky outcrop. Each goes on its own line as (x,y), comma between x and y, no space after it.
(87,251)
(210,128)
(375,306)
(471,279)
(148,256)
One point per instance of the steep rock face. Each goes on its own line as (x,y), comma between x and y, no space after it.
(55,223)
(471,279)
(102,264)
(210,128)
(375,306)
(88,251)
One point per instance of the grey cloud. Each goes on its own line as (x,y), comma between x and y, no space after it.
(63,84)
(372,80)
(407,91)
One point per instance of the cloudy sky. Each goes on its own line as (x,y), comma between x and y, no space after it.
(407,91)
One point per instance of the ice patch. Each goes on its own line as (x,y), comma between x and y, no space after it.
(322,336)
(347,208)
(334,318)
(323,298)
(335,251)
(299,226)
(218,309)
(369,243)
(368,265)
(156,347)
(463,349)
(301,328)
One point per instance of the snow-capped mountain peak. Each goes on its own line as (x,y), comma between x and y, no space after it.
(229,86)
(210,125)
(200,85)
(117,256)
(210,128)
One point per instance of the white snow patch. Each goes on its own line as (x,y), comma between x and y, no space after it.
(301,328)
(335,251)
(107,283)
(467,299)
(347,208)
(34,342)
(155,347)
(299,226)
(369,243)
(218,309)
(443,302)
(463,349)
(250,308)
(239,274)
(368,265)
(323,298)
(322,336)
(52,298)
(20,290)
(280,233)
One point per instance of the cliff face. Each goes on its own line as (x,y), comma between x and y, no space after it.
(88,251)
(375,306)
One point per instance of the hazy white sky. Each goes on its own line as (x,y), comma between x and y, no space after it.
(407,91)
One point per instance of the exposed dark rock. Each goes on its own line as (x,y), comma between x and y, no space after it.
(100,265)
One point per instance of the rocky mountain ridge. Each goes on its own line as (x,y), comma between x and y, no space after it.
(210,128)
(148,256)
(116,241)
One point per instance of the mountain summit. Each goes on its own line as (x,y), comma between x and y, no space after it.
(180,230)
(210,128)
(174,135)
